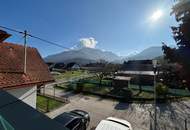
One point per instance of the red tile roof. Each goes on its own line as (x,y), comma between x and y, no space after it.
(3,35)
(12,67)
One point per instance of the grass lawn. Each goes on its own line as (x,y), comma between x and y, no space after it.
(95,80)
(172,92)
(91,85)
(70,74)
(143,94)
(42,103)
(66,86)
(147,91)
(95,88)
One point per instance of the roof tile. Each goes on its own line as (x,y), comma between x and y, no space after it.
(12,66)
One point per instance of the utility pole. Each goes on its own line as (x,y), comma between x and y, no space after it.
(155,110)
(186,124)
(154,62)
(54,90)
(25,50)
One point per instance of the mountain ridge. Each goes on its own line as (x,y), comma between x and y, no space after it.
(92,55)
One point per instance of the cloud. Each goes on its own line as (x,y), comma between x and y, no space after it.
(85,43)
(88,42)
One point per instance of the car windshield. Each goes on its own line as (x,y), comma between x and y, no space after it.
(64,119)
(73,124)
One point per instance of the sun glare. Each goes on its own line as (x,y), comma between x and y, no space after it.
(156,15)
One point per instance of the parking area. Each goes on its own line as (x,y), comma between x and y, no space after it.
(139,115)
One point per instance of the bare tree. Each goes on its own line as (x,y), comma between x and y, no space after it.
(107,70)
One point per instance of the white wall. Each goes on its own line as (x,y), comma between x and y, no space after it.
(23,92)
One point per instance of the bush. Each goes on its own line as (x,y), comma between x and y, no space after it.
(127,93)
(161,89)
(79,87)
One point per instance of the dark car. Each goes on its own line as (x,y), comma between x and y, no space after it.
(74,120)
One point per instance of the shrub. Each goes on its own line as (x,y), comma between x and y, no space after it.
(79,87)
(161,89)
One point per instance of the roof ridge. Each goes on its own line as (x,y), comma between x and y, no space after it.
(16,44)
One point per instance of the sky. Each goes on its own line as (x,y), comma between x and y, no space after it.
(121,26)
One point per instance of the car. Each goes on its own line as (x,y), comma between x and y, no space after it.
(112,123)
(74,120)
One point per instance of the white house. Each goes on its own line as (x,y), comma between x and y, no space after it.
(12,77)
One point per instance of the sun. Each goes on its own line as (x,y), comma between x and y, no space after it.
(156,15)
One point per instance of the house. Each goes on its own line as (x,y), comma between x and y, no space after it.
(12,77)
(137,65)
(75,67)
(59,67)
(17,115)
(72,66)
(140,71)
(50,65)
(121,81)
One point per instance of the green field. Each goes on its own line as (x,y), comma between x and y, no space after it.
(71,74)
(172,92)
(106,90)
(44,105)
(91,85)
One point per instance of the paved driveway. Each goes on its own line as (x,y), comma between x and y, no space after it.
(170,116)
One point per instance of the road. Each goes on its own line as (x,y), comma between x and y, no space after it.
(171,116)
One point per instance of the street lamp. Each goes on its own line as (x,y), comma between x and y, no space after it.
(154,63)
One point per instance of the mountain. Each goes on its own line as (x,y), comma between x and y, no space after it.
(83,56)
(90,55)
(149,53)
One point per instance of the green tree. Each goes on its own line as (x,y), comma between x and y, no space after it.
(181,35)
(161,90)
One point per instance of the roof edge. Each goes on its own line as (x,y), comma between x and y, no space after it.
(26,85)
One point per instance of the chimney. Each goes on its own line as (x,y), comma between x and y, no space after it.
(3,35)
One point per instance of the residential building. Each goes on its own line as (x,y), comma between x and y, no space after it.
(14,80)
(140,71)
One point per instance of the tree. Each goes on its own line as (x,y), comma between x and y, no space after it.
(161,90)
(181,35)
(107,70)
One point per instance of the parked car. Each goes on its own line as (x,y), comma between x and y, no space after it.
(112,123)
(74,120)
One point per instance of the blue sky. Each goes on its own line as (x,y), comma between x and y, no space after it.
(120,26)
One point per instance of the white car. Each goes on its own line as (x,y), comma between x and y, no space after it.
(112,123)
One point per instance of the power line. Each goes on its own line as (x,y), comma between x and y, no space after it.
(10,29)
(52,43)
(41,39)
(36,37)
